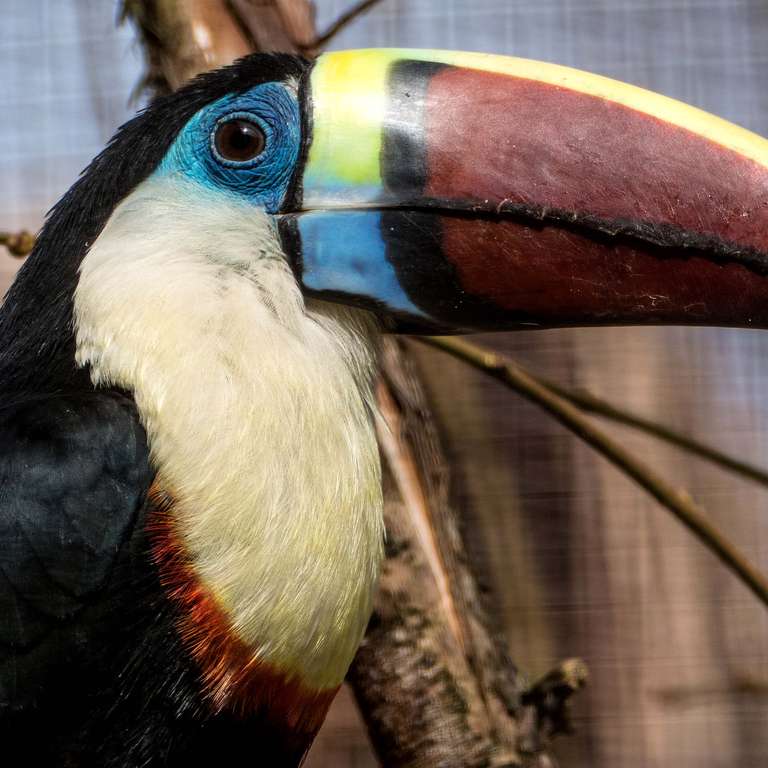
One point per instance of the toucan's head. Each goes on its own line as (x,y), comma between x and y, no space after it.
(463,191)
(454,191)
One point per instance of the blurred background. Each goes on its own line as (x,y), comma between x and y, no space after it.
(579,561)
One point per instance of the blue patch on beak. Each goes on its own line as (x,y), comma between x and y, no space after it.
(344,253)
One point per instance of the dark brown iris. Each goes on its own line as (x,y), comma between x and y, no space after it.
(239,140)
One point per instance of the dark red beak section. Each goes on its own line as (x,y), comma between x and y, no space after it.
(626,218)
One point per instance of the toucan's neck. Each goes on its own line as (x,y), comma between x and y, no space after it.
(37,341)
(258,411)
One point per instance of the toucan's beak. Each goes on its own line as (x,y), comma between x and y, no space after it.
(455,191)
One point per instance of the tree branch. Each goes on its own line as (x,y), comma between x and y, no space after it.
(339,25)
(551,697)
(590,403)
(18,243)
(678,502)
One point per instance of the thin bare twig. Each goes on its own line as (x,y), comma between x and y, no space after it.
(590,403)
(18,243)
(678,502)
(341,23)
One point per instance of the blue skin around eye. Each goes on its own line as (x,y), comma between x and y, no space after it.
(264,180)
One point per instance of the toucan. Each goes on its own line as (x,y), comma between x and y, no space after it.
(190,499)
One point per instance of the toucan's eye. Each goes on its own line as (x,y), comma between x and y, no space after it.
(247,144)
(239,140)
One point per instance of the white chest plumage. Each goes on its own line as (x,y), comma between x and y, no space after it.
(258,409)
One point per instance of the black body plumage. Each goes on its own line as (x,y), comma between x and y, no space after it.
(92,671)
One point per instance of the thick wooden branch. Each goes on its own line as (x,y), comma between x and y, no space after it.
(182,38)
(276,25)
(432,678)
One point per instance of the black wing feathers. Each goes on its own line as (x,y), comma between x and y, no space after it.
(73,474)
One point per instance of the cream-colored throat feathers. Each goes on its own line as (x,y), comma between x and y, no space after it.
(258,411)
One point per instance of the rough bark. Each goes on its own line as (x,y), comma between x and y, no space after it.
(434,684)
(181,38)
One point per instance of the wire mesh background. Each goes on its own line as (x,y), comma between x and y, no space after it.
(580,562)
